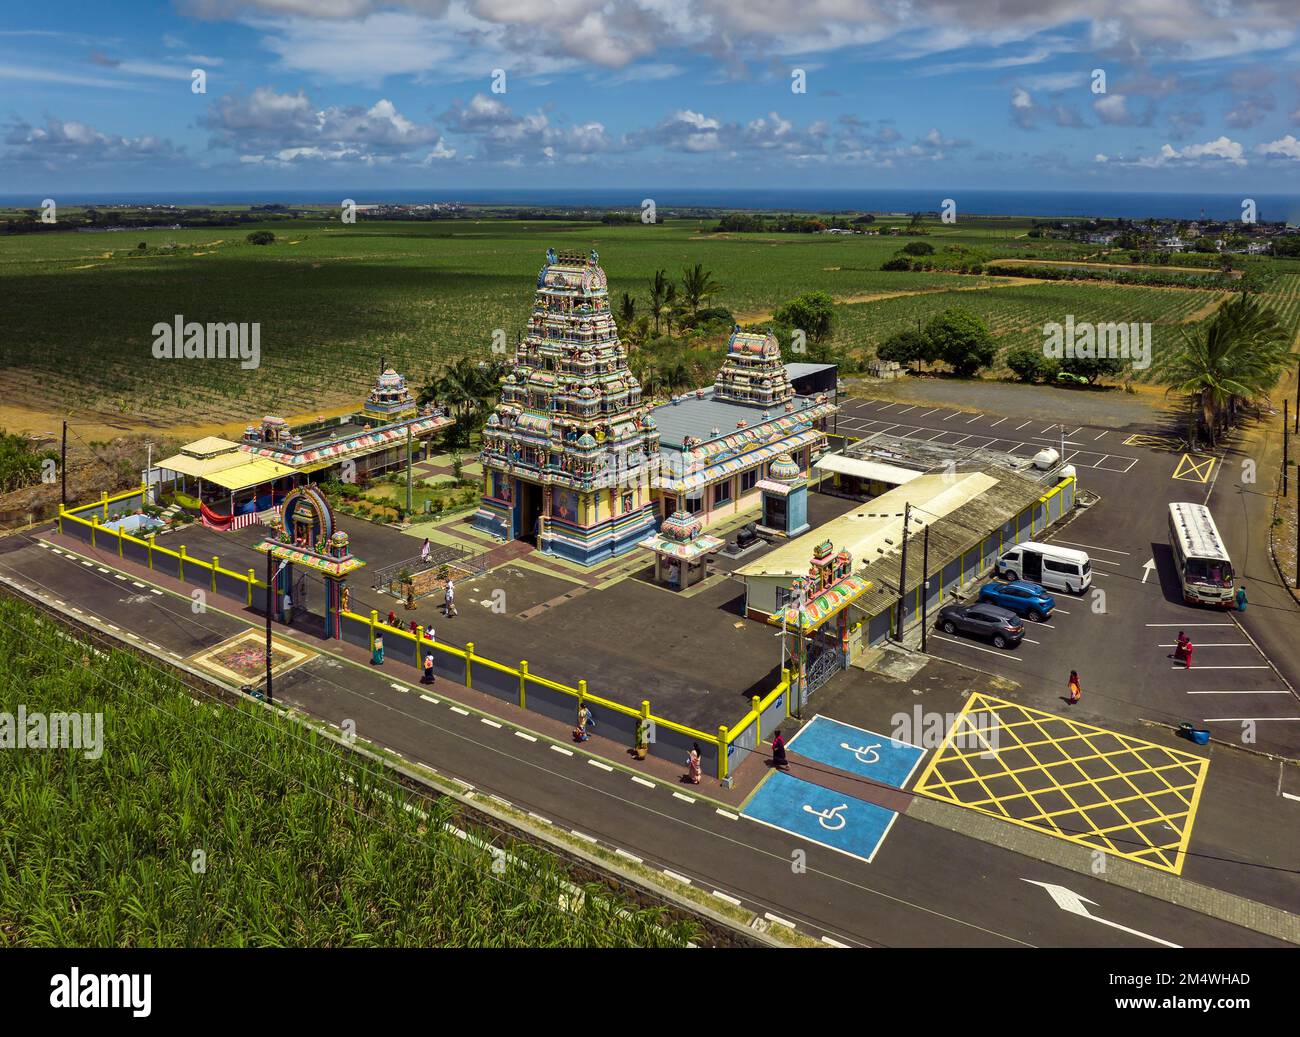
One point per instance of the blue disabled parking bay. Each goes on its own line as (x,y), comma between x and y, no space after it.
(820,815)
(857,750)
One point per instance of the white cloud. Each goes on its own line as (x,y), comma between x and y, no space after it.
(1284,147)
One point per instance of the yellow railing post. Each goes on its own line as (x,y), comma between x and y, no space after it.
(722,752)
(61,518)
(523,683)
(251,581)
(374,619)
(180,565)
(215,562)
(119,542)
(469,664)
(645,723)
(94,530)
(150,539)
(103,503)
(582,693)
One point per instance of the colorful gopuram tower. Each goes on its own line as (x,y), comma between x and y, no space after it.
(569,453)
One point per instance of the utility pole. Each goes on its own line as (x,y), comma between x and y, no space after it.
(925,581)
(270,604)
(902,572)
(1286,447)
(410,506)
(63,468)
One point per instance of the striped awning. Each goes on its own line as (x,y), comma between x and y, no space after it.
(749,459)
(352,446)
(253,472)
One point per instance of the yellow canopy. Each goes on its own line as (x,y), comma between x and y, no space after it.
(251,473)
(204,467)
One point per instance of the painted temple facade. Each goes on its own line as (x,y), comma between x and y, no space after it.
(575,462)
(570,449)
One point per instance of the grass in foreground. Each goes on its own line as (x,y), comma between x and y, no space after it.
(300,846)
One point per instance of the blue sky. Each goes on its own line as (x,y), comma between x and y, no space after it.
(1200,95)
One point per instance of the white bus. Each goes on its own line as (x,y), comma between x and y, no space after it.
(1204,569)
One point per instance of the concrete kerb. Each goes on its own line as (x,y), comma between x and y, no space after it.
(1206,900)
(432,784)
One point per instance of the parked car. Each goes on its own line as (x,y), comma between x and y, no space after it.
(1060,568)
(999,625)
(1025,599)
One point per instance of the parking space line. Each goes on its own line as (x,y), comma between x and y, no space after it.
(1223,667)
(976,418)
(958,442)
(1030,640)
(952,415)
(1104,433)
(1093,547)
(1239,693)
(997,423)
(1104,561)
(1019,427)
(1183,625)
(1216,644)
(964,644)
(929,412)
(1234,720)
(906,409)
(886,407)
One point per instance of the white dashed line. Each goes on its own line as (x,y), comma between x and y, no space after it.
(629,856)
(525,736)
(727,814)
(154,590)
(137,583)
(642,781)
(725,896)
(561,749)
(778,920)
(429,698)
(602,766)
(684,798)
(834,943)
(584,836)
(118,576)
(490,723)
(539,819)
(462,712)
(677,878)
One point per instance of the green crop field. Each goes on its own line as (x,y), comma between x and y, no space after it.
(332,299)
(216,825)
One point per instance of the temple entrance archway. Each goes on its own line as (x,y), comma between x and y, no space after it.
(529,513)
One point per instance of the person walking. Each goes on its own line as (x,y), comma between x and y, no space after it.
(585,721)
(1076,692)
(449,599)
(1241,598)
(288,609)
(779,758)
(424,551)
(1180,646)
(377,657)
(1187,653)
(427,678)
(693,772)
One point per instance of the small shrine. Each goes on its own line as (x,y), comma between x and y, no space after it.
(308,537)
(784,499)
(681,550)
(753,372)
(390,399)
(816,647)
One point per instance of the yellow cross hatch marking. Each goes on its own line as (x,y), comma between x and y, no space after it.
(1191,470)
(1098,788)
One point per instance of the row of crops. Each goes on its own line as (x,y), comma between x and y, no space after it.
(212,825)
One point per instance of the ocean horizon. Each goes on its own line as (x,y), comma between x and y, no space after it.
(1040,204)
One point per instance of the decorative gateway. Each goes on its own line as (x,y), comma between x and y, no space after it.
(570,448)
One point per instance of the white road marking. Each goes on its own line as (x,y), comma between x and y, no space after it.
(958,442)
(724,896)
(118,576)
(584,836)
(642,781)
(1019,427)
(964,644)
(525,736)
(1222,667)
(777,919)
(1093,547)
(1107,432)
(1289,796)
(1107,561)
(538,818)
(1217,644)
(906,409)
(462,712)
(976,418)
(997,423)
(1069,901)
(1239,693)
(602,766)
(429,698)
(929,412)
(561,749)
(396,687)
(1235,720)
(834,943)
(727,814)
(679,878)
(684,798)
(630,856)
(886,407)
(1030,640)
(1184,625)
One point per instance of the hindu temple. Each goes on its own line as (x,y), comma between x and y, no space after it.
(569,451)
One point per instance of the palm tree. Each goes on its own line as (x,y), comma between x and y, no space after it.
(658,293)
(468,388)
(1238,355)
(671,308)
(626,309)
(697,286)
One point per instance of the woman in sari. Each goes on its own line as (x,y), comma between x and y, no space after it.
(693,772)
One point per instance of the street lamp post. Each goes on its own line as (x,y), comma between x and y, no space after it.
(270,604)
(925,581)
(902,573)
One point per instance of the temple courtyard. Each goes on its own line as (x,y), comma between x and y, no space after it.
(692,653)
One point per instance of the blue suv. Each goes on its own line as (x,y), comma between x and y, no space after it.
(1021,597)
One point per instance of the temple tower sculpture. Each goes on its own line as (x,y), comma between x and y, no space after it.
(569,453)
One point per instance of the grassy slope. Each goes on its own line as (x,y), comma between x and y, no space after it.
(99,852)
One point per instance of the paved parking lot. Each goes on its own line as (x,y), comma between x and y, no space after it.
(1085,446)
(1118,635)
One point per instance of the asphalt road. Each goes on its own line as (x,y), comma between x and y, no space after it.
(926,887)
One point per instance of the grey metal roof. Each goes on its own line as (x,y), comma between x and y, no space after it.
(794,371)
(698,416)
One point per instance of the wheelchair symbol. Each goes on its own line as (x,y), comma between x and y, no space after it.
(862,751)
(824,817)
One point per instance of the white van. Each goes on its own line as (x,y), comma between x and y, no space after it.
(1056,568)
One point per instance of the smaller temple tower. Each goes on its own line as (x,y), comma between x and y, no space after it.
(785,499)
